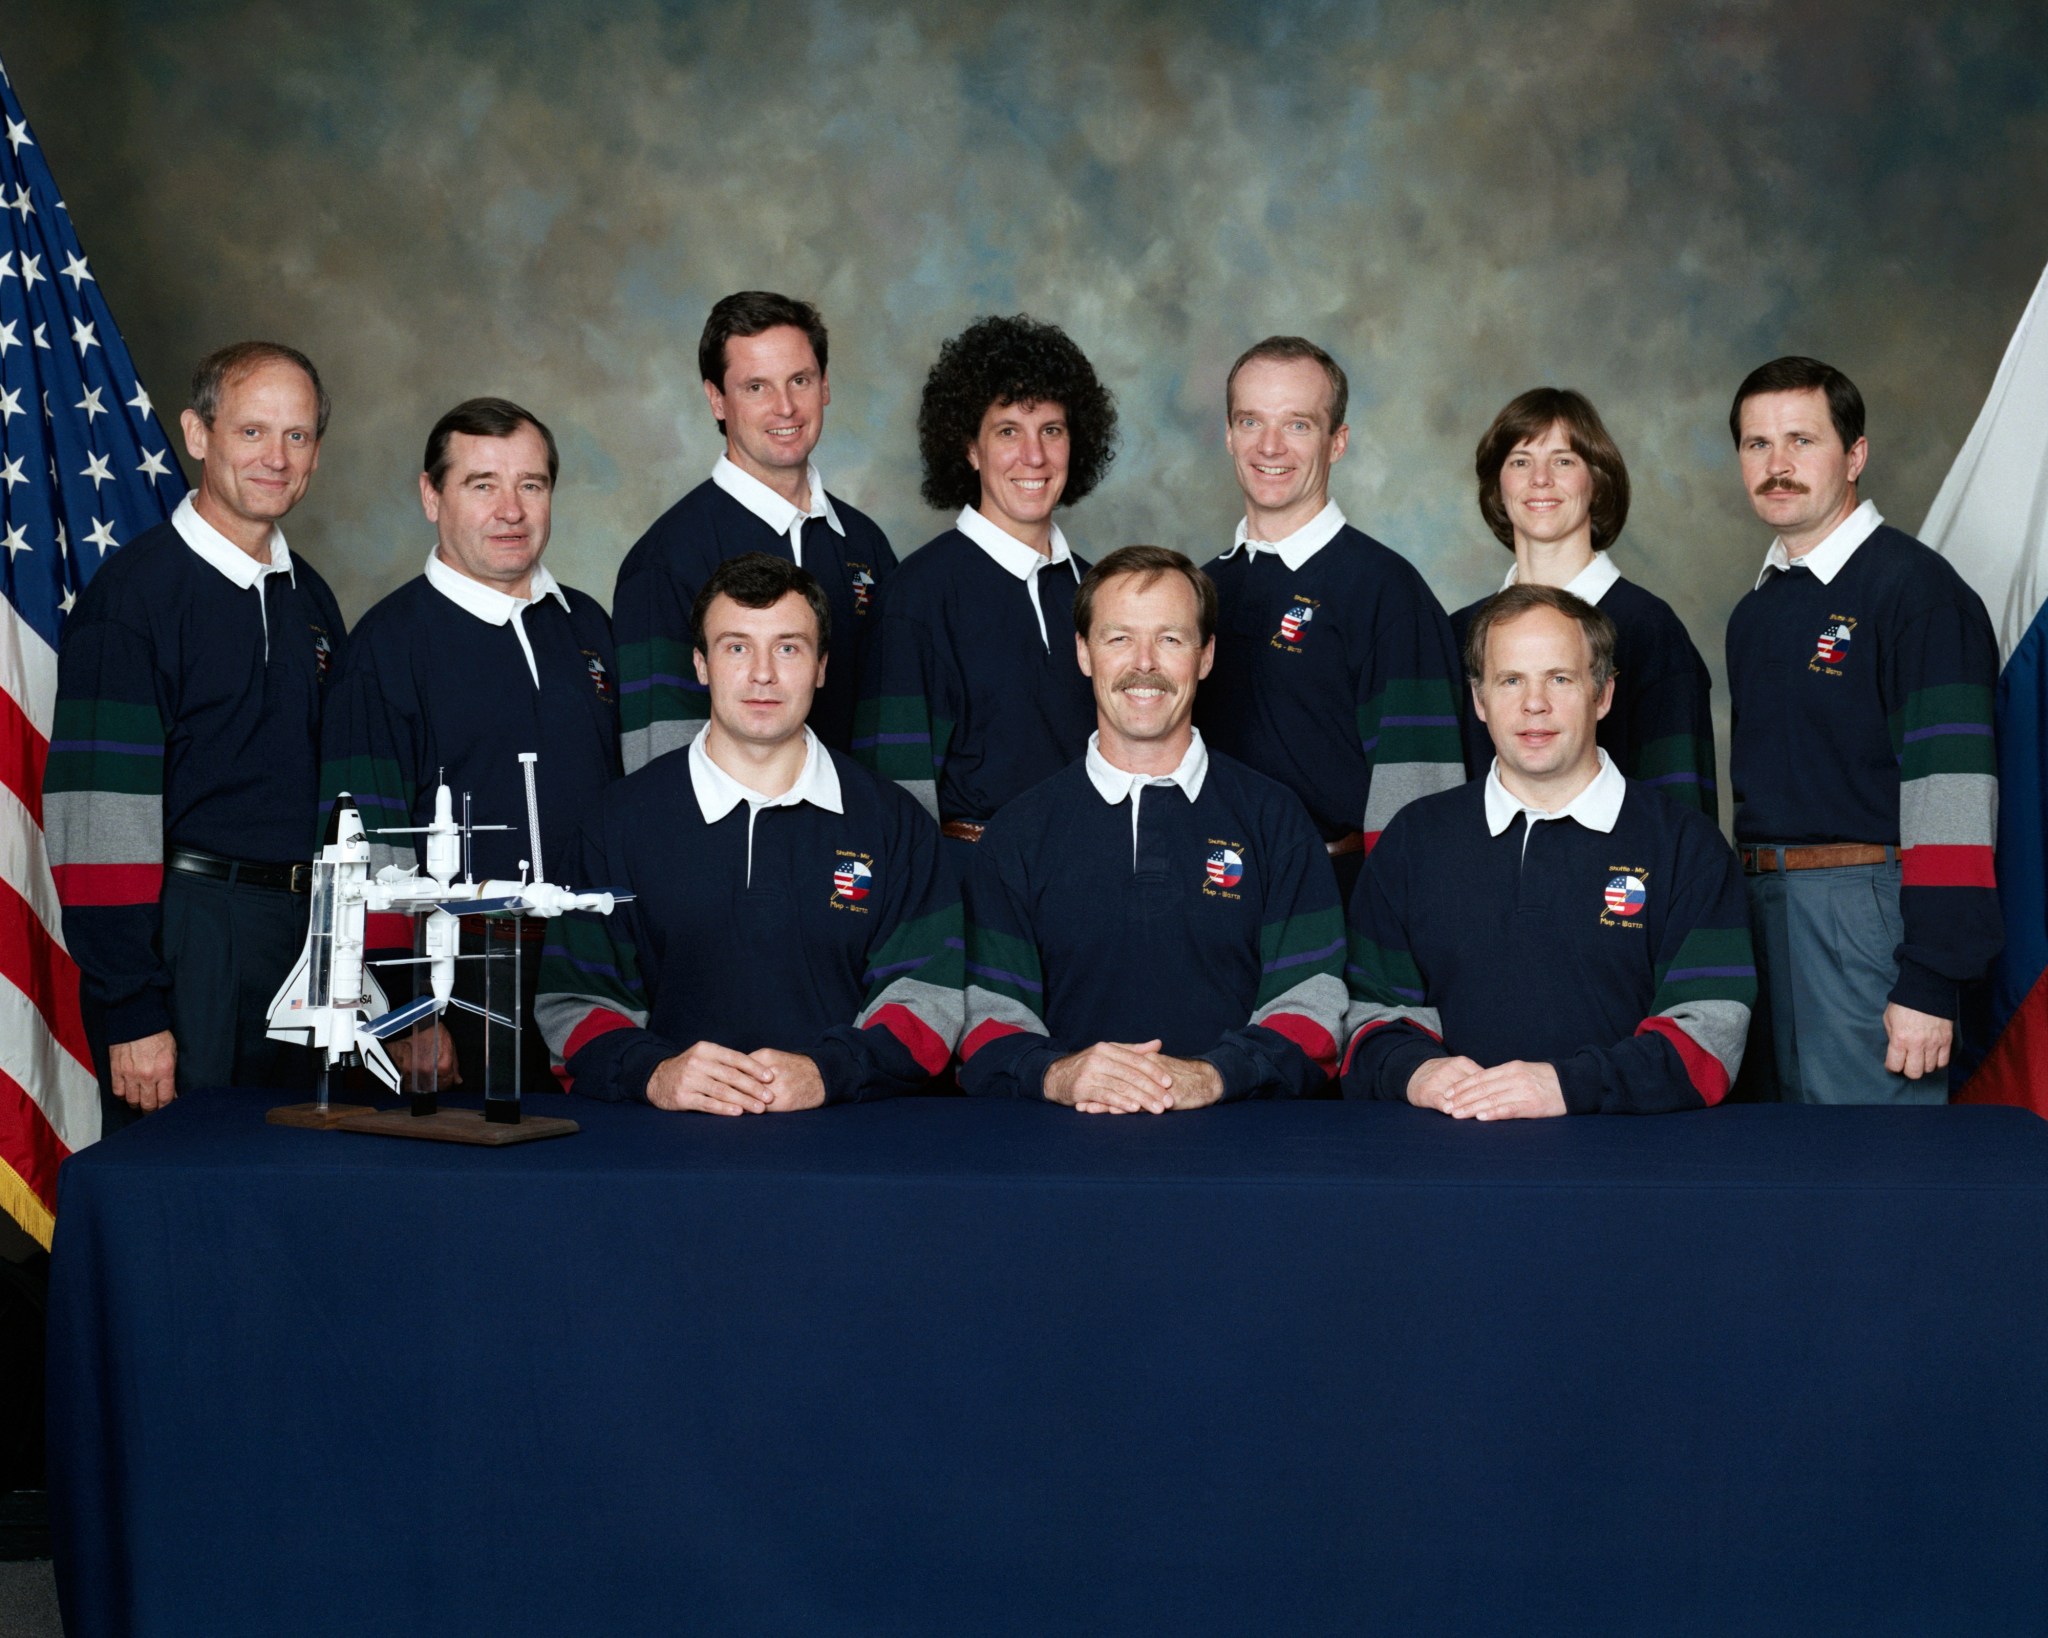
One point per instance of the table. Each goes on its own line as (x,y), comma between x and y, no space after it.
(939,1366)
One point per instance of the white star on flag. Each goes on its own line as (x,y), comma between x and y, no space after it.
(22,203)
(7,265)
(32,273)
(16,541)
(69,598)
(7,339)
(17,135)
(140,403)
(42,341)
(11,474)
(101,534)
(152,466)
(96,469)
(91,404)
(82,336)
(10,404)
(75,270)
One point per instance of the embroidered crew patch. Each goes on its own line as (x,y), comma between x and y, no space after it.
(863,588)
(600,679)
(853,879)
(1222,868)
(1623,898)
(1832,650)
(1294,624)
(323,650)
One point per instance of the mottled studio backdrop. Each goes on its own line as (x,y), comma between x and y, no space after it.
(541,200)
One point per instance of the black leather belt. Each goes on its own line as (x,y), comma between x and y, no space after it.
(281,878)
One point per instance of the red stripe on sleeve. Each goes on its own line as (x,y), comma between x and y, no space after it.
(1372,839)
(598,1021)
(1709,1076)
(1351,1051)
(387,930)
(919,1039)
(83,886)
(1307,1034)
(22,754)
(982,1034)
(1931,865)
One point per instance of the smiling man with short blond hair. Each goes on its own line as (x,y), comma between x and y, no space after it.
(1156,926)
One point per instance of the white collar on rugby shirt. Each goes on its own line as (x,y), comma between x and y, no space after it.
(1826,559)
(1113,784)
(1298,547)
(1012,555)
(718,793)
(772,509)
(1596,807)
(1590,584)
(224,555)
(493,607)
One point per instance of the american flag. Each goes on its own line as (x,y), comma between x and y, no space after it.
(85,466)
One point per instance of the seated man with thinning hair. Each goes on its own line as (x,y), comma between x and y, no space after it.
(792,940)
(1553,939)
(1155,927)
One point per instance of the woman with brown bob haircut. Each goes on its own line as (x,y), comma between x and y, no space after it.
(1554,490)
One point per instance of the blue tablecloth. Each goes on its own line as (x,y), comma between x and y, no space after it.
(964,1368)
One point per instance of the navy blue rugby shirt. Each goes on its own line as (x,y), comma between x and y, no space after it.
(662,704)
(190,688)
(1660,729)
(450,679)
(971,693)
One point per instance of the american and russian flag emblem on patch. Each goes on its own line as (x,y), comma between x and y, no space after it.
(1625,896)
(1293,620)
(851,880)
(1834,641)
(1226,867)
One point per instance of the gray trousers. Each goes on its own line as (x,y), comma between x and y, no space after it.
(1827,956)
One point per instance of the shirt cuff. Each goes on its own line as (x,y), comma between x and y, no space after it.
(1925,990)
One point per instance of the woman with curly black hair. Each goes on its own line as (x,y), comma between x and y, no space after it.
(970,692)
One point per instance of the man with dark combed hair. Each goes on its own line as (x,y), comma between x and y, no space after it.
(762,358)
(1156,926)
(179,794)
(1861,674)
(1553,488)
(452,677)
(970,693)
(1553,939)
(793,938)
(1335,672)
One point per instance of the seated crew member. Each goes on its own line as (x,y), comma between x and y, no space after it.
(1335,669)
(451,677)
(178,796)
(1156,926)
(1554,490)
(794,939)
(970,693)
(762,357)
(1553,939)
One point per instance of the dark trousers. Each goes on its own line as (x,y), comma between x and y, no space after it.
(228,947)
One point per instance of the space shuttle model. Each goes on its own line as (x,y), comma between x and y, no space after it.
(331,1001)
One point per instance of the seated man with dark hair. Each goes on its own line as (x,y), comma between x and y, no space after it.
(1554,939)
(1155,927)
(792,940)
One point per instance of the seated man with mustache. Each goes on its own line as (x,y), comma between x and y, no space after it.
(1156,926)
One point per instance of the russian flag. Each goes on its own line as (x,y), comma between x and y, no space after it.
(1991,521)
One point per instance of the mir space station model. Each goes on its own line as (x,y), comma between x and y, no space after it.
(331,1001)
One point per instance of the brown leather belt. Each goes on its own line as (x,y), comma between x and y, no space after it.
(962,830)
(1764,861)
(1352,841)
(282,878)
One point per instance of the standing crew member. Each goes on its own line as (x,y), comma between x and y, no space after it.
(970,693)
(1553,939)
(1335,669)
(1861,672)
(450,678)
(1156,927)
(762,357)
(794,939)
(1554,490)
(179,796)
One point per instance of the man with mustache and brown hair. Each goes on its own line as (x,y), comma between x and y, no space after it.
(1156,926)
(1861,671)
